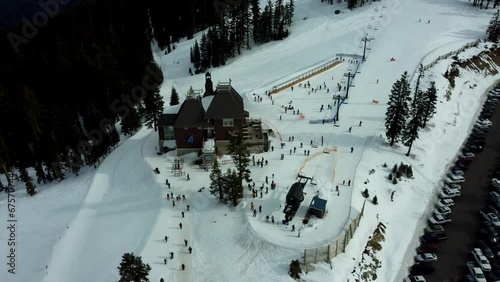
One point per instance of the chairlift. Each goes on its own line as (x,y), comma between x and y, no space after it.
(384,6)
(314,144)
(375,28)
(326,151)
(342,80)
(373,17)
(376,8)
(349,68)
(369,26)
(360,45)
(313,181)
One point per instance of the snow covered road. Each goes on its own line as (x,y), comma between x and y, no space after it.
(116,217)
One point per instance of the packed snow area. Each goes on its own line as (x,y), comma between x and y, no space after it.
(78,229)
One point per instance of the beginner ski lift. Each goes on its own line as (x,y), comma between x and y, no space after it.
(369,26)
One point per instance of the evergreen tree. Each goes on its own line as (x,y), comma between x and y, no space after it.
(351,4)
(153,109)
(196,57)
(30,187)
(410,132)
(429,104)
(398,109)
(131,122)
(234,187)
(255,20)
(417,84)
(204,53)
(216,181)
(493,31)
(241,157)
(132,269)
(174,97)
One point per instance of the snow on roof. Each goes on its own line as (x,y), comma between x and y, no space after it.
(208,146)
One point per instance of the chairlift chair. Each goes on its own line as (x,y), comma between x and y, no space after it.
(314,144)
(373,17)
(313,181)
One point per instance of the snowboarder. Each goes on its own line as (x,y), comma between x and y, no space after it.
(166,239)
(293,228)
(260,208)
(180,225)
(352,149)
(183,267)
(350,129)
(185,242)
(182,213)
(349,182)
(171,255)
(190,250)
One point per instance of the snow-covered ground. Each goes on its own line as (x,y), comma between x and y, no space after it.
(78,229)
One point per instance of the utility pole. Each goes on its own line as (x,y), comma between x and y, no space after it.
(365,39)
(349,76)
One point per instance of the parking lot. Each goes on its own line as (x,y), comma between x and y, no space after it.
(454,252)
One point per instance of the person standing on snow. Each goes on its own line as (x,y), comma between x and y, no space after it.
(190,250)
(185,242)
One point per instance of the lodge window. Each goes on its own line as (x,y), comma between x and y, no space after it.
(228,122)
(169,133)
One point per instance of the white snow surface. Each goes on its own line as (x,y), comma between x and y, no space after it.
(78,229)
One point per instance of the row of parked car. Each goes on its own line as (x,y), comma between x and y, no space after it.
(434,233)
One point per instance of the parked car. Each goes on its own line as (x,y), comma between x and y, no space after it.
(485,122)
(481,259)
(494,93)
(472,148)
(446,203)
(427,248)
(417,278)
(439,219)
(461,166)
(422,269)
(476,272)
(476,134)
(429,238)
(450,179)
(434,229)
(485,248)
(490,228)
(477,142)
(449,193)
(491,218)
(486,114)
(456,172)
(442,211)
(495,195)
(426,257)
(495,182)
(452,186)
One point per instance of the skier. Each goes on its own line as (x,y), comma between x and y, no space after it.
(183,267)
(251,205)
(352,149)
(350,129)
(293,228)
(272,219)
(360,122)
(377,80)
(166,239)
(188,207)
(185,242)
(173,203)
(349,182)
(182,213)
(267,218)
(164,261)
(190,250)
(166,181)
(254,213)
(171,255)
(187,176)
(261,194)
(337,188)
(260,208)
(180,225)
(267,179)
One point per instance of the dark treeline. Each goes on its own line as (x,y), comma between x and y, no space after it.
(485,3)
(66,86)
(242,26)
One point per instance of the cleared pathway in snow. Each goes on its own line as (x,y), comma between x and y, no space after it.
(116,217)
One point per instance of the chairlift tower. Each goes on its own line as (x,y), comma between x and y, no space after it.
(365,39)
